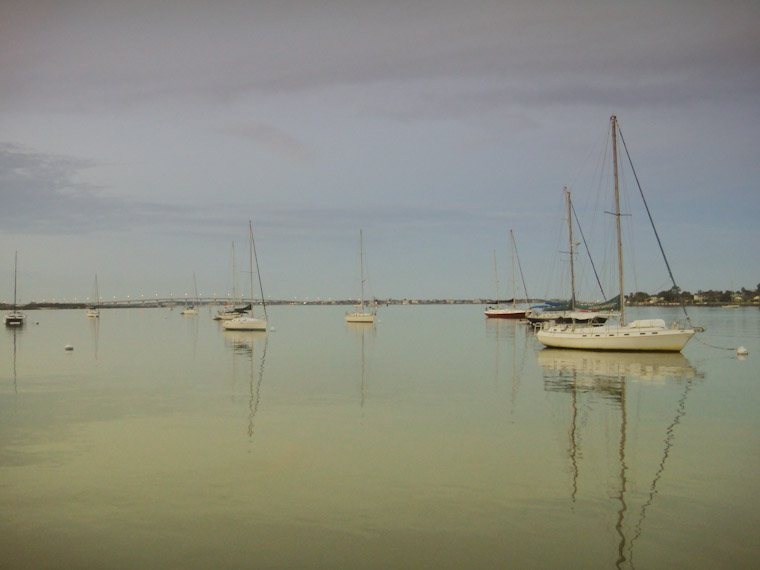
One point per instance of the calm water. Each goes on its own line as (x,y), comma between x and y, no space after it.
(434,439)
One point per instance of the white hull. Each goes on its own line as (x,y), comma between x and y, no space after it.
(245,324)
(646,335)
(360,318)
(93,313)
(14,319)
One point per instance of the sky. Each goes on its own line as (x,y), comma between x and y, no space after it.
(138,138)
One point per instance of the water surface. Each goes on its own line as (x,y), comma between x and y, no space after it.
(433,439)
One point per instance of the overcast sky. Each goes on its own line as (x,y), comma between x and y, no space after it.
(137,138)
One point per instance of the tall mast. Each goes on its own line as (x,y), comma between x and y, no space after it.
(361,266)
(234,276)
(512,248)
(250,261)
(496,276)
(261,287)
(613,122)
(15,277)
(570,238)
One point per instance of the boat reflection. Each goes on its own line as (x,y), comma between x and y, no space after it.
(576,369)
(512,336)
(363,332)
(16,332)
(594,377)
(95,333)
(241,344)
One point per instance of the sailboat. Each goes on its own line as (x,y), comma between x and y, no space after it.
(15,318)
(230,310)
(92,310)
(512,312)
(561,312)
(641,335)
(361,315)
(246,322)
(190,309)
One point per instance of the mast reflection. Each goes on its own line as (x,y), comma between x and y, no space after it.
(95,333)
(15,332)
(363,331)
(586,375)
(509,333)
(241,343)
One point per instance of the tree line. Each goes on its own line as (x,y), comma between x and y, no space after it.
(676,295)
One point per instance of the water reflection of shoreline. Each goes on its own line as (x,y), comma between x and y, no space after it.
(242,344)
(583,375)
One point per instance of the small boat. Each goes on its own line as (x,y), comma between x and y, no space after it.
(512,312)
(640,335)
(15,318)
(246,322)
(361,315)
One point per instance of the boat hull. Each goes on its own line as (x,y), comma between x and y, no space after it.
(505,313)
(245,324)
(14,319)
(226,316)
(360,318)
(646,336)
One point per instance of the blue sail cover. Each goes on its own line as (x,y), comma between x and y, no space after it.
(609,305)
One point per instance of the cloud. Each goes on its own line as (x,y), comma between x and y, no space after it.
(272,138)
(42,194)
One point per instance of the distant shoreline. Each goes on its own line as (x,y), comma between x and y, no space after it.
(135,304)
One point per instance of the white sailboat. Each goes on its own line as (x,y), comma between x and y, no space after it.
(191,308)
(641,335)
(361,315)
(246,322)
(92,311)
(15,318)
(512,312)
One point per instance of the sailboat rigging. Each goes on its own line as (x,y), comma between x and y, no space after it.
(246,322)
(639,335)
(572,311)
(92,310)
(361,315)
(15,318)
(191,308)
(512,312)
(231,310)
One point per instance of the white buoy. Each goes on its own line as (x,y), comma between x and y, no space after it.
(68,347)
(741,351)
(271,329)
